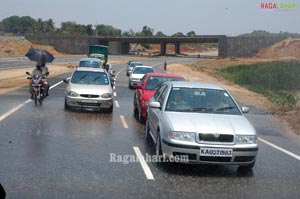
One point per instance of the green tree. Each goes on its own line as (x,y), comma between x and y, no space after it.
(107,30)
(129,33)
(73,28)
(18,25)
(178,34)
(191,34)
(39,26)
(147,31)
(89,30)
(1,28)
(49,26)
(26,25)
(160,34)
(11,24)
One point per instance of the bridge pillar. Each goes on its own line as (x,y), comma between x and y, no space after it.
(163,48)
(222,47)
(177,48)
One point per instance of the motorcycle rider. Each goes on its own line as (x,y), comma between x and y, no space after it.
(41,70)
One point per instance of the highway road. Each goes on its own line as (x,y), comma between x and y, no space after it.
(47,152)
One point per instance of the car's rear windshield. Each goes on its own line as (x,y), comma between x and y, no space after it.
(133,64)
(154,81)
(93,64)
(142,70)
(89,77)
(201,100)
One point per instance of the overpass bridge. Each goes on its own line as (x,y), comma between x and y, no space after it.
(227,46)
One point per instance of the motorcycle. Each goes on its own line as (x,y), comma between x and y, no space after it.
(37,90)
(112,75)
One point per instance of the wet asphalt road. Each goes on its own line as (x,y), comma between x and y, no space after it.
(47,152)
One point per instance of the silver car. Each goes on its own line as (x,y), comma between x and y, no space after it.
(90,89)
(200,123)
(131,65)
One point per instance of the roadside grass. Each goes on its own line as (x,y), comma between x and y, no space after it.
(279,80)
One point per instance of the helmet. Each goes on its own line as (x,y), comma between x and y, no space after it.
(38,66)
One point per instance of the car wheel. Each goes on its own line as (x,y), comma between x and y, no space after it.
(110,110)
(246,168)
(66,105)
(158,151)
(134,105)
(140,118)
(147,136)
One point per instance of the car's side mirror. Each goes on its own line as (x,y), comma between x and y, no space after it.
(138,86)
(66,81)
(154,105)
(245,110)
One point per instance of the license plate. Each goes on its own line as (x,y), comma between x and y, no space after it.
(89,101)
(215,152)
(35,84)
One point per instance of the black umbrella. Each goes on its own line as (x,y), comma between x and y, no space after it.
(39,55)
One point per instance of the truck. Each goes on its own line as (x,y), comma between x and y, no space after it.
(100,52)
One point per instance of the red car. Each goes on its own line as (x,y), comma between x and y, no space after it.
(146,89)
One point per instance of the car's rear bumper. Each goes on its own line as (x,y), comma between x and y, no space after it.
(134,82)
(240,155)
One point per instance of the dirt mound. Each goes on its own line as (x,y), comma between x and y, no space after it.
(286,48)
(11,46)
(184,48)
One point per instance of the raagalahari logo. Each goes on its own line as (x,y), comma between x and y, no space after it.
(278,6)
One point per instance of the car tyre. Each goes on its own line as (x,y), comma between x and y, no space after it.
(110,110)
(139,116)
(147,136)
(134,105)
(158,150)
(66,105)
(246,168)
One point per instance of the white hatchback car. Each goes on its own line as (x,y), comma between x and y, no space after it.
(90,89)
(138,73)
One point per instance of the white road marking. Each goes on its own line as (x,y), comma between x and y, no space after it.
(117,104)
(5,115)
(55,85)
(124,123)
(115,94)
(279,148)
(144,165)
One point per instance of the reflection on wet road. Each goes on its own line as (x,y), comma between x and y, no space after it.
(48,152)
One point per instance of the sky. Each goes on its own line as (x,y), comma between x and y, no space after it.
(205,17)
